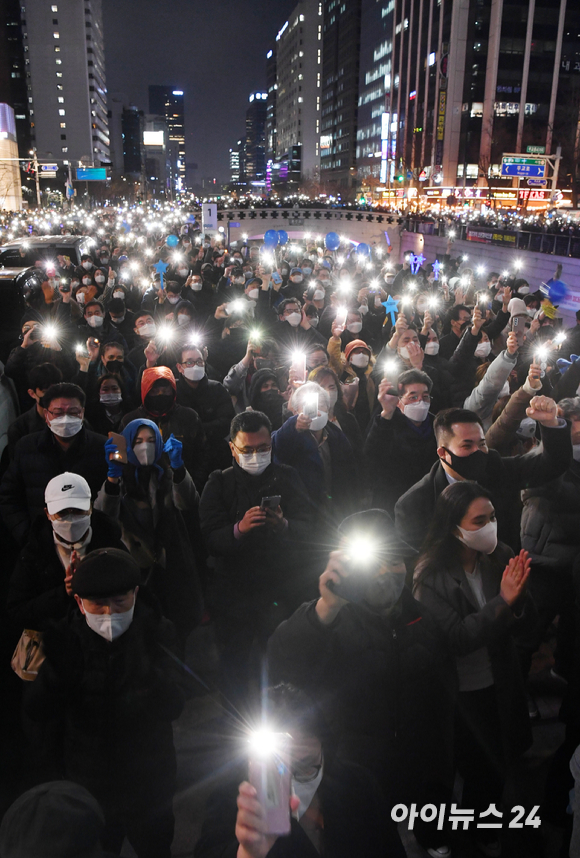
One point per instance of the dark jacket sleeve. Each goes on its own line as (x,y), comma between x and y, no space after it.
(568,383)
(494,328)
(297,507)
(216,525)
(28,605)
(13,504)
(301,649)
(536,468)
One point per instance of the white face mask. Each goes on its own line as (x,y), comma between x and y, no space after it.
(319,295)
(87,265)
(531,312)
(576,452)
(319,422)
(95,321)
(110,398)
(355,328)
(432,348)
(182,272)
(294,319)
(332,396)
(86,281)
(483,349)
(363,309)
(313,321)
(110,626)
(99,278)
(65,426)
(183,319)
(196,285)
(417,411)
(404,352)
(254,463)
(254,294)
(361,361)
(194,373)
(81,298)
(147,330)
(484,539)
(297,278)
(72,528)
(119,295)
(422,306)
(173,299)
(145,452)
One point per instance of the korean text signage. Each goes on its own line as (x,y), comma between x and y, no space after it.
(440,126)
(522,166)
(91,174)
(489,235)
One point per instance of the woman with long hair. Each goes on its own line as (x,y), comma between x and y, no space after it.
(476,589)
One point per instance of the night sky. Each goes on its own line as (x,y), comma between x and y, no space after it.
(215,51)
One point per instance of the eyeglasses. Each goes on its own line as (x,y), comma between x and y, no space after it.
(248,451)
(414,397)
(199,362)
(71,412)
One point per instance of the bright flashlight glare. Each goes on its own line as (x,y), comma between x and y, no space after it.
(559,338)
(480,270)
(484,298)
(236,306)
(407,300)
(433,303)
(166,333)
(361,550)
(50,332)
(518,264)
(80,348)
(255,336)
(134,266)
(541,353)
(452,234)
(264,742)
(505,273)
(344,286)
(389,366)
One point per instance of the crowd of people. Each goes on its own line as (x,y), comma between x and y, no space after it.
(364,477)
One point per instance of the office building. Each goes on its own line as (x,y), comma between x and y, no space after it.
(255,149)
(65,76)
(10,183)
(132,126)
(272,88)
(340,96)
(469,82)
(298,76)
(157,157)
(12,71)
(237,162)
(170,103)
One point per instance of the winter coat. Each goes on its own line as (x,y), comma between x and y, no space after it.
(263,566)
(549,523)
(467,627)
(37,459)
(115,702)
(36,594)
(300,450)
(484,396)
(505,478)
(398,455)
(384,683)
(211,401)
(26,424)
(500,435)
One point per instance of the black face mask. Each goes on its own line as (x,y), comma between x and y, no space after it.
(114,366)
(271,403)
(472,467)
(159,404)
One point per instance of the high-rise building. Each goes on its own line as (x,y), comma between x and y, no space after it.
(256,138)
(157,157)
(12,71)
(132,125)
(170,103)
(468,82)
(298,76)
(237,163)
(340,96)
(65,75)
(272,88)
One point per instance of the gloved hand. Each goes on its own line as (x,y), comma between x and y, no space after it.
(564,365)
(114,468)
(174,449)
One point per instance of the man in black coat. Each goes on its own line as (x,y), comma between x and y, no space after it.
(400,446)
(40,588)
(260,573)
(464,455)
(65,445)
(109,683)
(210,400)
(376,664)
(40,379)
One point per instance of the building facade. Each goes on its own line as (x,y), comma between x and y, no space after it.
(157,157)
(65,78)
(255,146)
(170,103)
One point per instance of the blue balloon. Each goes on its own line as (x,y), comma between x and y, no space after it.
(271,238)
(172,241)
(282,236)
(332,241)
(363,249)
(126,226)
(557,291)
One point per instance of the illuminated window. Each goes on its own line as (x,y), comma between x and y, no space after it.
(54,8)
(56,35)
(60,99)
(63,124)
(59,63)
(62,112)
(59,74)
(64,149)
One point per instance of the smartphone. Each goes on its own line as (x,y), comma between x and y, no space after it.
(64,287)
(272,502)
(121,455)
(519,329)
(311,407)
(299,367)
(269,774)
(276,278)
(353,588)
(36,334)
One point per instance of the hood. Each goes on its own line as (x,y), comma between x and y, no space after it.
(258,378)
(356,344)
(129,433)
(155,373)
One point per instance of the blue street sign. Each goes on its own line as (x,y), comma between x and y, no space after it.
(526,171)
(537,183)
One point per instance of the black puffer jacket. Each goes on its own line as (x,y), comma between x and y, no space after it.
(37,459)
(115,701)
(549,524)
(36,593)
(385,684)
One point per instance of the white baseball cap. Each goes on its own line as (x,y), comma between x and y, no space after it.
(67,490)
